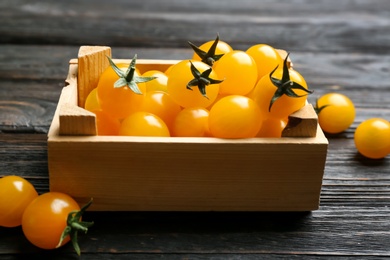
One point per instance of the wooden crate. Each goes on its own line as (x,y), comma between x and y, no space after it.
(179,174)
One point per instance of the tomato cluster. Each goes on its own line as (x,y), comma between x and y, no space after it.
(48,221)
(219,92)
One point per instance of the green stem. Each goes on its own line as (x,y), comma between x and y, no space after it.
(129,77)
(74,224)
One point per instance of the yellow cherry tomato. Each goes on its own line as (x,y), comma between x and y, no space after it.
(266,58)
(16,193)
(272,127)
(159,83)
(192,122)
(118,102)
(372,138)
(235,116)
(45,219)
(92,102)
(285,105)
(336,114)
(238,71)
(106,124)
(221,48)
(162,105)
(143,124)
(178,79)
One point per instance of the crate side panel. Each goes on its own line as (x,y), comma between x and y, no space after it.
(189,176)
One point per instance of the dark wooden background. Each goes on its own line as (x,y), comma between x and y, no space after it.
(337,45)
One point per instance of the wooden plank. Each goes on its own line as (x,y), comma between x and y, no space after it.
(264,183)
(333,26)
(25,155)
(92,61)
(331,232)
(72,119)
(302,123)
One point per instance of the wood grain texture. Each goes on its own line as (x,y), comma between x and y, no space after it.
(338,46)
(302,123)
(327,25)
(92,61)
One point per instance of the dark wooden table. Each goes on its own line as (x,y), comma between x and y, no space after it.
(338,45)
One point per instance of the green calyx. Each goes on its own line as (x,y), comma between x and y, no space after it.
(208,57)
(285,86)
(318,109)
(201,80)
(128,78)
(74,225)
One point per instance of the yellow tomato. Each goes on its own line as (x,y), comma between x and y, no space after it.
(143,124)
(220,49)
(372,138)
(179,78)
(266,58)
(282,107)
(191,122)
(16,193)
(235,116)
(159,83)
(162,105)
(272,127)
(106,124)
(336,112)
(92,102)
(119,102)
(238,71)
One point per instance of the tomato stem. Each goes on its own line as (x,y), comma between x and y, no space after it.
(285,86)
(208,57)
(74,224)
(201,80)
(318,109)
(129,78)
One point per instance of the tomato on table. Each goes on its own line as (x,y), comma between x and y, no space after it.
(372,138)
(52,219)
(336,112)
(16,193)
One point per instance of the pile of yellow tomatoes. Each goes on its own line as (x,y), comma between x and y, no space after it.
(219,92)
